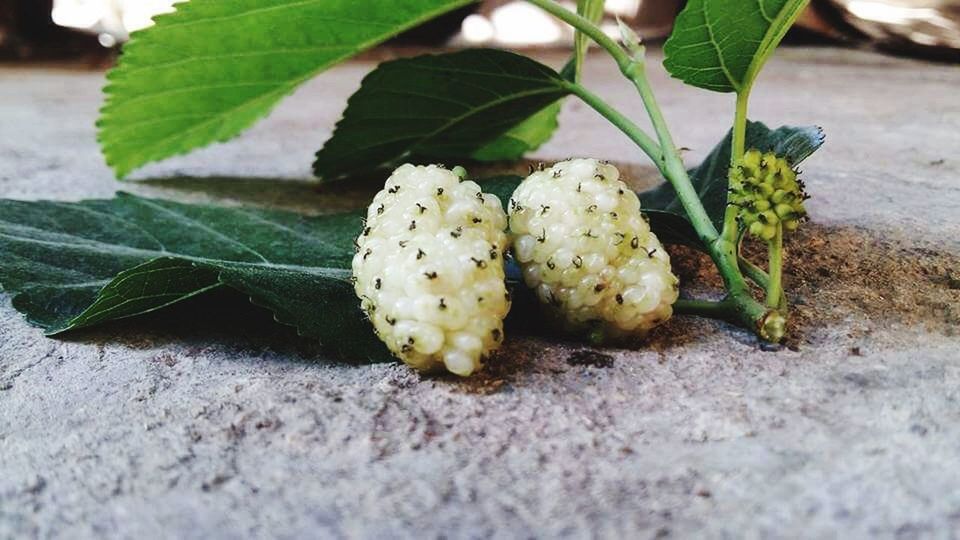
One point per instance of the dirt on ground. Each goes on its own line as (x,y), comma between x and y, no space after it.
(831,273)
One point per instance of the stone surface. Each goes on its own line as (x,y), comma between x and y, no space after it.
(211,422)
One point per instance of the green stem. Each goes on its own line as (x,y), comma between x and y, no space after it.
(739,140)
(757,275)
(722,250)
(671,169)
(723,310)
(668,158)
(775,285)
(754,272)
(738,149)
(584,25)
(767,323)
(626,125)
(672,165)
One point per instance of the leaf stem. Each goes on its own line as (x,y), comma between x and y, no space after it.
(672,165)
(672,169)
(757,275)
(775,285)
(740,126)
(626,125)
(723,309)
(767,323)
(633,67)
(754,272)
(585,26)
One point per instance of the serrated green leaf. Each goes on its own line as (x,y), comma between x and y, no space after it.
(72,265)
(212,68)
(437,107)
(710,179)
(522,138)
(722,45)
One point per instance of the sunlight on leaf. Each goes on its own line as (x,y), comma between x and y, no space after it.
(212,68)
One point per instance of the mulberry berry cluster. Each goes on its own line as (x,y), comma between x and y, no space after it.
(768,193)
(586,250)
(429,269)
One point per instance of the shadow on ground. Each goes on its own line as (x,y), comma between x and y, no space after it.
(223,316)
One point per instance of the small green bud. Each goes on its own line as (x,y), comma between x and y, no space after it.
(631,41)
(783,210)
(752,160)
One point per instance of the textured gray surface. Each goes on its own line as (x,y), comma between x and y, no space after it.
(208,424)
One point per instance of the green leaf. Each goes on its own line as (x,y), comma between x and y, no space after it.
(501,186)
(72,265)
(441,107)
(710,178)
(522,138)
(212,68)
(722,45)
(672,228)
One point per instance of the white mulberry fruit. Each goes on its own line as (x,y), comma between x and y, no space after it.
(585,249)
(429,269)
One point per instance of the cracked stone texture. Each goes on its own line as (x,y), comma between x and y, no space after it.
(211,422)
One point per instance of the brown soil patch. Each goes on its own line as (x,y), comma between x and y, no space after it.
(833,273)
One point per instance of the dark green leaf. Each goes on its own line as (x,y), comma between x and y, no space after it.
(71,265)
(672,228)
(710,178)
(439,107)
(722,45)
(501,186)
(522,138)
(213,67)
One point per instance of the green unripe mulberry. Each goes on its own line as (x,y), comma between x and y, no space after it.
(768,193)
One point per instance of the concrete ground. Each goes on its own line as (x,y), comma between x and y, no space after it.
(211,422)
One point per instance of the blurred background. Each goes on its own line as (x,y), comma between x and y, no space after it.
(95,29)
